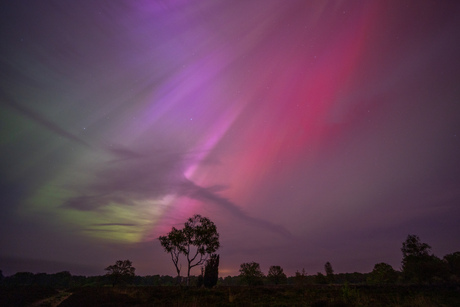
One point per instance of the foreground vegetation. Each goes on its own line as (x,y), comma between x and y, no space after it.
(286,295)
(425,280)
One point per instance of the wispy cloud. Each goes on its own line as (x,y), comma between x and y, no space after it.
(140,176)
(210,195)
(42,121)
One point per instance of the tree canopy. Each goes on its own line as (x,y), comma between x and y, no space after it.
(174,243)
(413,247)
(251,274)
(196,241)
(276,275)
(383,273)
(418,265)
(121,271)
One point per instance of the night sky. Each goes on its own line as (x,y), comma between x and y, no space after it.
(308,131)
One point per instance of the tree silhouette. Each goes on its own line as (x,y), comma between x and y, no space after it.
(413,247)
(251,274)
(174,243)
(453,265)
(276,275)
(383,273)
(329,272)
(418,265)
(300,278)
(211,271)
(121,271)
(197,240)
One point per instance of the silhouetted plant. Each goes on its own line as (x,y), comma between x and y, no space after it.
(197,240)
(211,271)
(329,272)
(121,272)
(418,265)
(276,275)
(300,278)
(413,247)
(382,273)
(251,274)
(174,243)
(425,269)
(320,278)
(23,278)
(350,295)
(200,279)
(453,266)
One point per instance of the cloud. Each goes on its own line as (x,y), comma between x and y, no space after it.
(135,176)
(210,195)
(114,224)
(42,121)
(123,153)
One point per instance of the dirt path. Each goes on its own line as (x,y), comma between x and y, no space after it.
(52,301)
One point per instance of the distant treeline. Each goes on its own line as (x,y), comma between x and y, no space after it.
(66,280)
(419,267)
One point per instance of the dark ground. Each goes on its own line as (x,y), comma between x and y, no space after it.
(312,295)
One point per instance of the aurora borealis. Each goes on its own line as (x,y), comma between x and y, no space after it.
(308,131)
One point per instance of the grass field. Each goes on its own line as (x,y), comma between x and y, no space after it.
(312,295)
